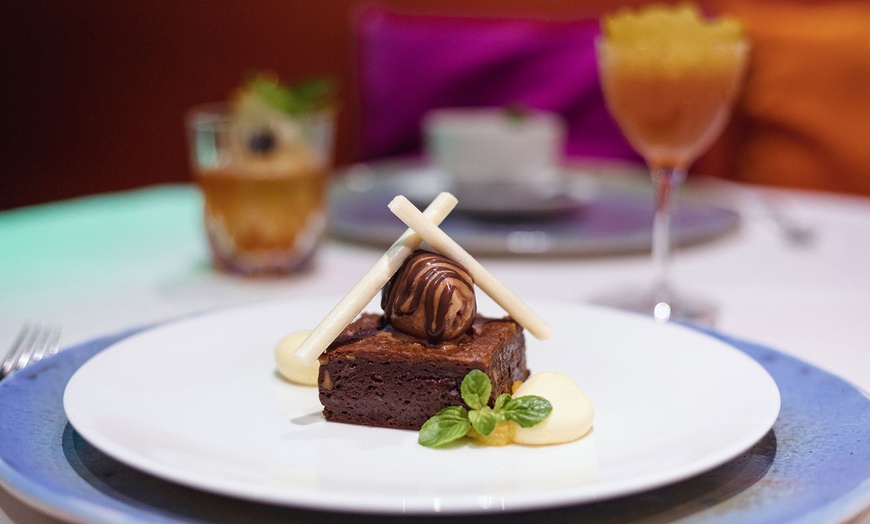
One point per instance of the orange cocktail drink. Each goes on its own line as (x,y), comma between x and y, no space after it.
(670,79)
(263,174)
(263,221)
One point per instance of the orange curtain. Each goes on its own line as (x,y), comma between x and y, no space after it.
(804,117)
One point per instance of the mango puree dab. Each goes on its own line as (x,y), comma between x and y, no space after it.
(670,39)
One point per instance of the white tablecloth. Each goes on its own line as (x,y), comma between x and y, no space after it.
(106,263)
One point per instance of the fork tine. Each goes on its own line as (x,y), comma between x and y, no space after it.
(21,343)
(35,341)
(51,345)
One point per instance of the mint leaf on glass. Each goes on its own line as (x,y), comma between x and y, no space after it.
(517,113)
(292,100)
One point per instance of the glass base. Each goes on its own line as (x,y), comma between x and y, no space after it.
(663,304)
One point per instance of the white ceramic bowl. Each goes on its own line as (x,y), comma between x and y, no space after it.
(496,147)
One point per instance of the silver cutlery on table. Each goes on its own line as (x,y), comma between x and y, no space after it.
(35,341)
(765,204)
(794,230)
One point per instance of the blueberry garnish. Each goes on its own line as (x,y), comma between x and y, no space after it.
(261,142)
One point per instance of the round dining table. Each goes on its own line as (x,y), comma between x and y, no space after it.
(790,276)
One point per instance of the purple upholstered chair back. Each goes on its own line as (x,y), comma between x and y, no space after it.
(410,64)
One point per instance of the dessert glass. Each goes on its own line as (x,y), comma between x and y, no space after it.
(670,80)
(264,185)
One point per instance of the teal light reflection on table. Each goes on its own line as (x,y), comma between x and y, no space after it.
(44,247)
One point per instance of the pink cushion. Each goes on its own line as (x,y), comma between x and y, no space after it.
(409,64)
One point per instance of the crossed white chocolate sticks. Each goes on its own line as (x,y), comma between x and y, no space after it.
(421,226)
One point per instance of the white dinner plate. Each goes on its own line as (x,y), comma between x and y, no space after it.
(198,402)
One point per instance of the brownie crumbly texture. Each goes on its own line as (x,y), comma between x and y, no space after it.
(376,376)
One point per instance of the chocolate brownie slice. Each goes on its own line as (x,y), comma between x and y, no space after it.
(376,376)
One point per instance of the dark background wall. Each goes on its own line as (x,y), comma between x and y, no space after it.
(93,92)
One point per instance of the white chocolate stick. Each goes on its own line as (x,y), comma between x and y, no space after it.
(438,239)
(368,287)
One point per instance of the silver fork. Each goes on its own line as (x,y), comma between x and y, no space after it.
(35,341)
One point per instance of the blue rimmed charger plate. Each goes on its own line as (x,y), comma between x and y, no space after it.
(814,466)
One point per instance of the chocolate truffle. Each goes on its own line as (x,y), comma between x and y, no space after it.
(430,297)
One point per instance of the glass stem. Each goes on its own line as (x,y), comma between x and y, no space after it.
(666,181)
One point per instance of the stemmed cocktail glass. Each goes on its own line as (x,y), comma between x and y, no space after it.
(670,78)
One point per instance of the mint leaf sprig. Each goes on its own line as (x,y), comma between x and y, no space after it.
(293,100)
(454,422)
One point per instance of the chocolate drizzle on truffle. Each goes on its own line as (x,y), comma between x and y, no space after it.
(430,297)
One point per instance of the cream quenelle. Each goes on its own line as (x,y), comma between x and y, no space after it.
(572,413)
(291,367)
